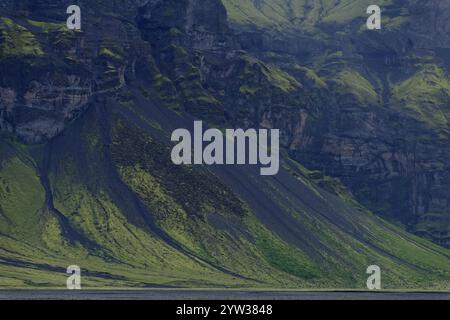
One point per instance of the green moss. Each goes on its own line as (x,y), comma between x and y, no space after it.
(273,74)
(48,27)
(109,54)
(17,41)
(311,76)
(161,81)
(21,199)
(352,82)
(247,90)
(166,91)
(282,256)
(175,32)
(281,79)
(425,96)
(207,99)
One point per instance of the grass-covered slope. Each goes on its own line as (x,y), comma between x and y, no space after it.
(17,41)
(304,14)
(425,95)
(105,196)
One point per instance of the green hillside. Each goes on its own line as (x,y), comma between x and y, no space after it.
(129,218)
(85,123)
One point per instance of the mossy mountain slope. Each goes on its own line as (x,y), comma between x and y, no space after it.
(106,197)
(86,178)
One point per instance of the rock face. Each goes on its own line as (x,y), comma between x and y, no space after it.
(370,108)
(50,74)
(386,112)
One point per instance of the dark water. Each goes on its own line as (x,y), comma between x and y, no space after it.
(213,295)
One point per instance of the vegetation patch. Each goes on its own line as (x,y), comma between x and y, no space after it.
(272,74)
(352,82)
(425,96)
(17,41)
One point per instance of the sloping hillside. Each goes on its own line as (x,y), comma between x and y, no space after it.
(106,197)
(86,177)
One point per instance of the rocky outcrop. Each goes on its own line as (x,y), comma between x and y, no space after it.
(43,90)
